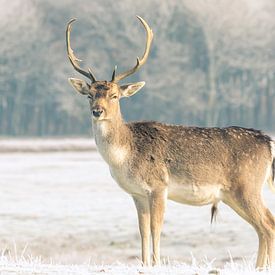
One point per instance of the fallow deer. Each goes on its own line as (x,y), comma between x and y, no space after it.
(153,161)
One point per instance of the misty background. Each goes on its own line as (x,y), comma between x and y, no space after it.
(212,62)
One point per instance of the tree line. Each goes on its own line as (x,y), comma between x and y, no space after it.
(212,62)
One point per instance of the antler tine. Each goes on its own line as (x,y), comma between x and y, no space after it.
(92,76)
(141,61)
(73,59)
(114,73)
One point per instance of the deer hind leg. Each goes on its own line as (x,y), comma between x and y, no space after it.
(266,233)
(252,209)
(158,201)
(143,210)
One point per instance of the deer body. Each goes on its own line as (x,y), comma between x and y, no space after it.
(196,165)
(154,162)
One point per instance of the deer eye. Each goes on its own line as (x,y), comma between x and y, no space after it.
(113,96)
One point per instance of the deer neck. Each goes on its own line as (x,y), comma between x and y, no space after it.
(112,138)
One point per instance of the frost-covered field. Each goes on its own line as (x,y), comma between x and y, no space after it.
(34,267)
(65,208)
(46,145)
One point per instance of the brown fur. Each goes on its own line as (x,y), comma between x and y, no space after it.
(188,151)
(273,170)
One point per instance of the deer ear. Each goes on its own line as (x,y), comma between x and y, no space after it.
(80,85)
(131,88)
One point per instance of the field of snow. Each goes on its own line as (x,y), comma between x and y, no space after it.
(63,207)
(12,145)
(35,267)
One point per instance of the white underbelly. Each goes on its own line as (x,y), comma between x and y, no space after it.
(194,194)
(187,193)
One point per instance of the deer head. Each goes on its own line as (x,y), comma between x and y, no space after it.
(104,95)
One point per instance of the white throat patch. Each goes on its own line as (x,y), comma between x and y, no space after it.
(113,154)
(118,154)
(101,128)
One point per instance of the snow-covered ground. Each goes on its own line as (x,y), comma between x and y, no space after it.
(65,208)
(34,267)
(46,144)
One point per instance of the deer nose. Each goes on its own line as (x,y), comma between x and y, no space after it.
(97,112)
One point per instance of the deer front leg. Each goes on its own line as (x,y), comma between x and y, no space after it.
(143,210)
(157,200)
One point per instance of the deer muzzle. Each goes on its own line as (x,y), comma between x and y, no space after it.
(97,112)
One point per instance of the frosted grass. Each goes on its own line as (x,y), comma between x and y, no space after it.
(34,266)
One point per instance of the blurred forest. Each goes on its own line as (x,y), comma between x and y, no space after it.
(212,62)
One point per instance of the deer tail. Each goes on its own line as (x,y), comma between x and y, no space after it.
(214,212)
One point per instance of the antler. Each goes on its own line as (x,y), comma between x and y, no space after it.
(74,60)
(141,61)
